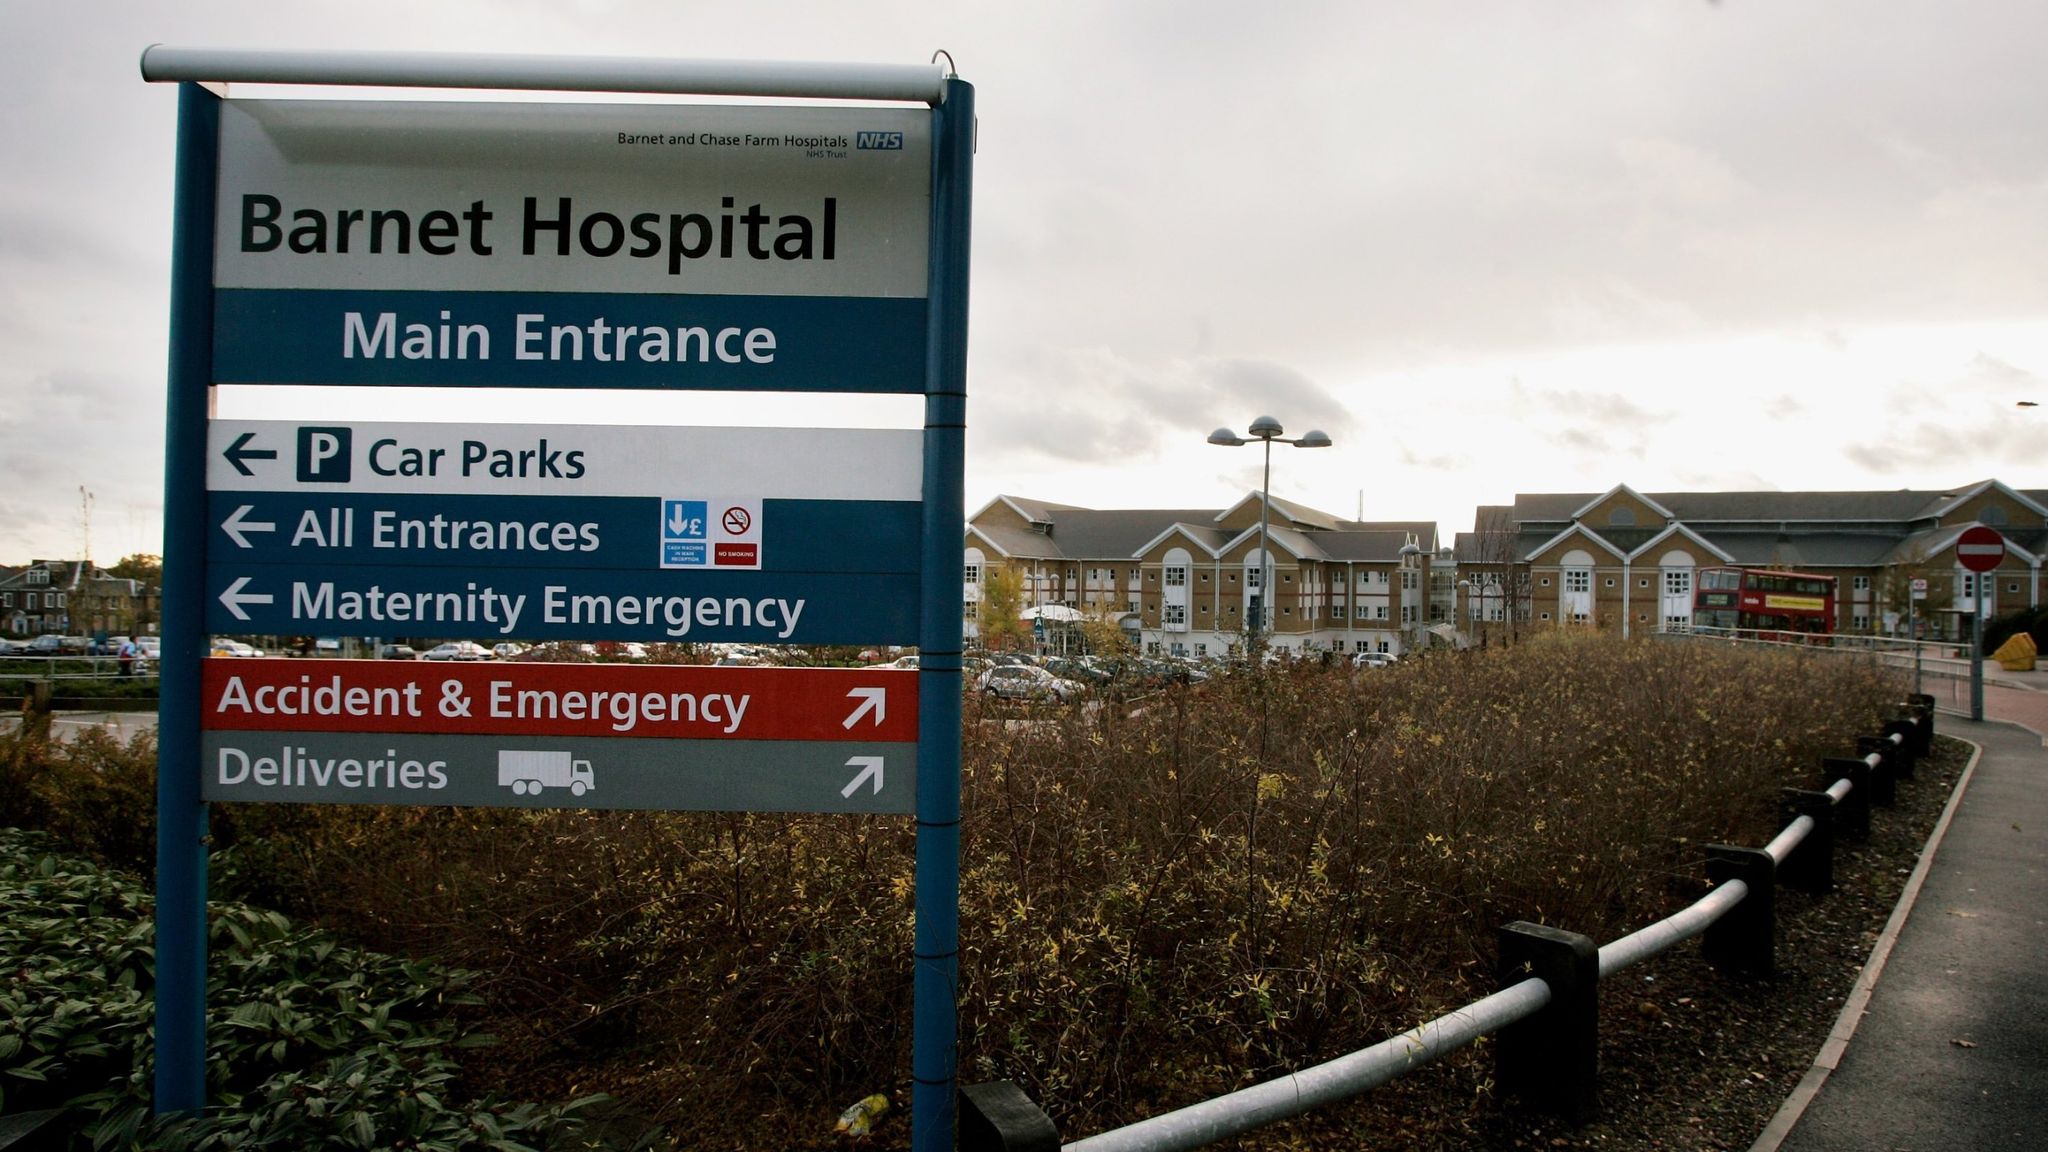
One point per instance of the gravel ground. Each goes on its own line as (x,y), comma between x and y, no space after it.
(1692,1060)
(1689,1059)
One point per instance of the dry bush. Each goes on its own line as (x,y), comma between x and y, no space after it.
(1137,932)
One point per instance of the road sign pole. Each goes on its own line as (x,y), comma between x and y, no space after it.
(1977,653)
(181,815)
(934,1021)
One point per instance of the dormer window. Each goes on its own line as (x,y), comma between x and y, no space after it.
(1621,518)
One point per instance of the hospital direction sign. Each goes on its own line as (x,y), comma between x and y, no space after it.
(567,245)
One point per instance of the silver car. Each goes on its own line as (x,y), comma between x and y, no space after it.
(1025,682)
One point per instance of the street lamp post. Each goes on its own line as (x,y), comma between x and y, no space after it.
(1266,430)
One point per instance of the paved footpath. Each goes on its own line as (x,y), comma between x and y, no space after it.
(1951,1050)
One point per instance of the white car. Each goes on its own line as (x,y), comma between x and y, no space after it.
(1373,660)
(508,650)
(1025,682)
(457,650)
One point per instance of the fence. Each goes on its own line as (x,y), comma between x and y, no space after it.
(1545,1016)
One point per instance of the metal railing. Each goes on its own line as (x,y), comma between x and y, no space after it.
(1545,1013)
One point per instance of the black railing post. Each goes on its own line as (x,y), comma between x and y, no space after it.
(1743,942)
(1852,812)
(1910,750)
(1810,867)
(999,1117)
(1884,790)
(1551,1060)
(1923,708)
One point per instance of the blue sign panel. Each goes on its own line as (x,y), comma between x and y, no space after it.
(453,339)
(521,604)
(557,532)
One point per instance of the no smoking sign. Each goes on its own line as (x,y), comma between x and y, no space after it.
(710,532)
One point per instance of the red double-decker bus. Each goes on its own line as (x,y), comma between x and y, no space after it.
(1764,600)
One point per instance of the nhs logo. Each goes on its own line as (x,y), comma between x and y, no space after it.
(886,140)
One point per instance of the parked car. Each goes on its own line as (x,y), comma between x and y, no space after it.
(457,650)
(397,652)
(1025,682)
(12,647)
(508,650)
(222,647)
(147,647)
(55,645)
(1373,660)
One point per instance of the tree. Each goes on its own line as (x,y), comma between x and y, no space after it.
(141,566)
(1496,558)
(1897,587)
(1002,600)
(1102,629)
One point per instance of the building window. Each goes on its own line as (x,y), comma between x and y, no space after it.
(1610,582)
(1860,623)
(1643,583)
(28,600)
(1177,577)
(1993,514)
(1544,616)
(1205,577)
(1337,612)
(1860,583)
(1578,580)
(1379,612)
(1252,576)
(1678,582)
(968,612)
(1205,609)
(1622,518)
(1201,649)
(1545,583)
(1133,604)
(1678,624)
(971,574)
(1176,615)
(2012,588)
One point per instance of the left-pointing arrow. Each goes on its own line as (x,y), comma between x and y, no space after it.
(237,523)
(240,451)
(869,766)
(234,598)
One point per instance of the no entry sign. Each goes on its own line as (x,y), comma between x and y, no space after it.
(1980,549)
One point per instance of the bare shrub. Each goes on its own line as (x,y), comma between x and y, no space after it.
(1269,868)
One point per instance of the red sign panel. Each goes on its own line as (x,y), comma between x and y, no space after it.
(490,698)
(1980,549)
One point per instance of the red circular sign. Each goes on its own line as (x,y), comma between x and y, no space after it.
(737,521)
(1980,549)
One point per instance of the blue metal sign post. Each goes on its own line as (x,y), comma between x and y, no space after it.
(515,284)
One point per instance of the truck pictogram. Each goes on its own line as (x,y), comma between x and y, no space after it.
(528,772)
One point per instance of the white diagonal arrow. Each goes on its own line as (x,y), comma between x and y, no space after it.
(869,766)
(235,525)
(874,700)
(234,597)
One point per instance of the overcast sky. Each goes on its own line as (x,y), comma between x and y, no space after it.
(1488,247)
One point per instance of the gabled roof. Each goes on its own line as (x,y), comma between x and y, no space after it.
(1596,501)
(1574,530)
(1208,538)
(1678,528)
(1979,489)
(1287,511)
